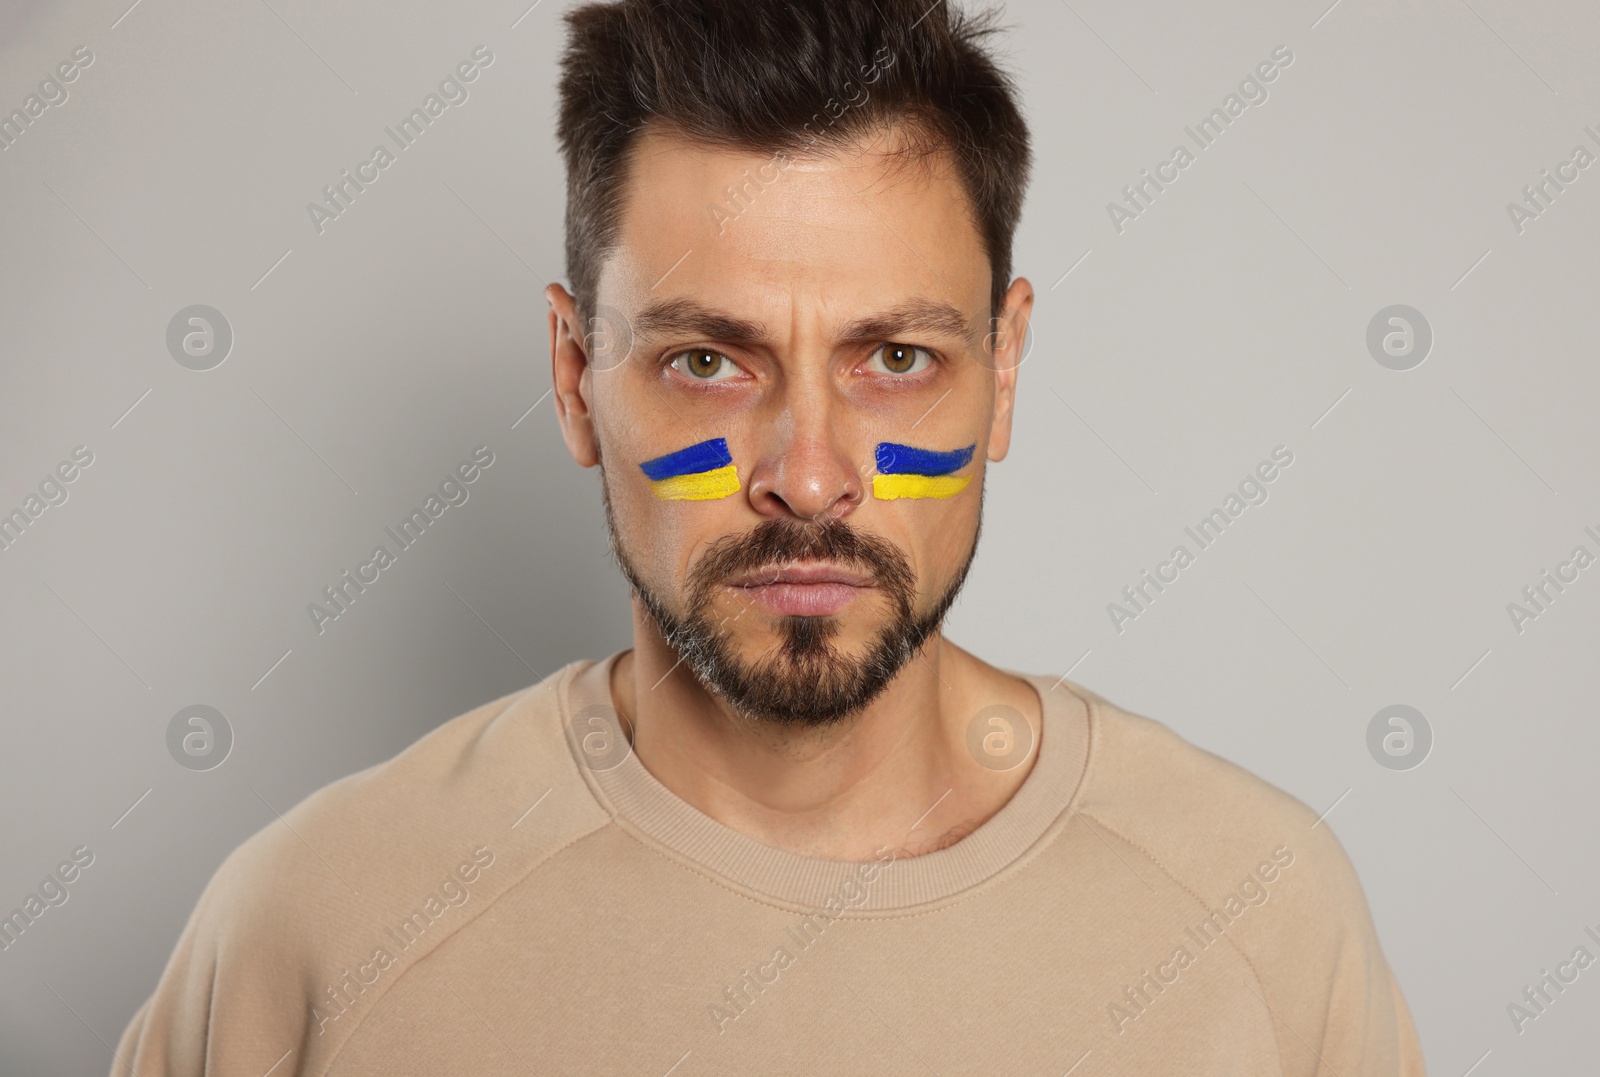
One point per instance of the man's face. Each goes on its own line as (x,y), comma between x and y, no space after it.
(830,325)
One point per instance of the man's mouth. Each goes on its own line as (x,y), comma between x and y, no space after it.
(803,589)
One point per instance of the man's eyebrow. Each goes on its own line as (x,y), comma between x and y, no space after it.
(685,317)
(913,316)
(690,318)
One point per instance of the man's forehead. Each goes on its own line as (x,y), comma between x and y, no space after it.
(712,232)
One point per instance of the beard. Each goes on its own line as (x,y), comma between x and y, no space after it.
(805,680)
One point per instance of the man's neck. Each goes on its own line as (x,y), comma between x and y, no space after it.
(896,777)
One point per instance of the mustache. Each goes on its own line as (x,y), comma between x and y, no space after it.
(778,540)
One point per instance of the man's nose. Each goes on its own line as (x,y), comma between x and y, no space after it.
(808,475)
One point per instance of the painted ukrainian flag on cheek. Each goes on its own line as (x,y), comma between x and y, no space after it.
(702,472)
(904,471)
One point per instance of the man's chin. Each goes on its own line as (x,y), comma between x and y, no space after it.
(799,675)
(792,671)
(756,638)
(812,657)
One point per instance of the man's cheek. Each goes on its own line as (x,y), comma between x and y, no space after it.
(704,471)
(909,471)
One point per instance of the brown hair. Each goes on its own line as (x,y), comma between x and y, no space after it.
(773,76)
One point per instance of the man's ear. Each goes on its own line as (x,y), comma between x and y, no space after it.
(570,378)
(1009,336)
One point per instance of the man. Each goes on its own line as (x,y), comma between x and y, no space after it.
(792,829)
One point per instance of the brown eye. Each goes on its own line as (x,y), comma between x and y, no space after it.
(902,358)
(703,364)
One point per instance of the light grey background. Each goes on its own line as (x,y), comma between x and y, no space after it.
(1228,319)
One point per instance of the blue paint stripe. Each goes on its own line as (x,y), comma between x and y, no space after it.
(905,460)
(706,456)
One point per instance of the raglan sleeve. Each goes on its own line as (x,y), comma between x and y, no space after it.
(1317,973)
(1367,1027)
(168,1033)
(233,997)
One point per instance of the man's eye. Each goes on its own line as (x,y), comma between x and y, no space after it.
(703,364)
(901,358)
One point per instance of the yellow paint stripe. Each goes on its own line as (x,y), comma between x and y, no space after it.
(890,487)
(701,486)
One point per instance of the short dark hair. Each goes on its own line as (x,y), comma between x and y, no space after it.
(773,76)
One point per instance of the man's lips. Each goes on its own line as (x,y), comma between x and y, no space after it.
(803,590)
(802,573)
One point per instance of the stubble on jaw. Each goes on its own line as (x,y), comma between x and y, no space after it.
(805,681)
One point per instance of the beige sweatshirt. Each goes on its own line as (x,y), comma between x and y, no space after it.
(516,894)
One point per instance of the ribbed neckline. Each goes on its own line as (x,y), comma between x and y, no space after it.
(656,815)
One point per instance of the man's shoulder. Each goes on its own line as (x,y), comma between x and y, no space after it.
(1202,819)
(1242,860)
(495,785)
(462,785)
(320,911)
(1228,859)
